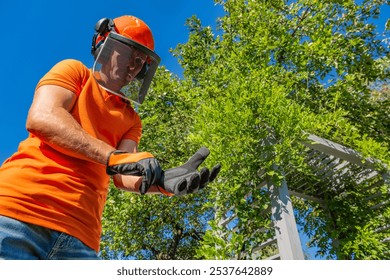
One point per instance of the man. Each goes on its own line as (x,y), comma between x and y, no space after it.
(82,129)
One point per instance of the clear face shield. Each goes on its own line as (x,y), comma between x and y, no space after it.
(125,67)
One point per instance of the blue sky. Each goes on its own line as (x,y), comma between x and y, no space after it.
(37,34)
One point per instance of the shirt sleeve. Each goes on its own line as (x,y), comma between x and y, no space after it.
(135,131)
(70,74)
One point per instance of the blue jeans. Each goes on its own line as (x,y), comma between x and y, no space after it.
(23,241)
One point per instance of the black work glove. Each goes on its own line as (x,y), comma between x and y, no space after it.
(186,179)
(136,164)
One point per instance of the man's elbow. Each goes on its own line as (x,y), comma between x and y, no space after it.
(35,124)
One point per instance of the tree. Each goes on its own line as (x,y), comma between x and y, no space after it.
(379,104)
(277,70)
(271,73)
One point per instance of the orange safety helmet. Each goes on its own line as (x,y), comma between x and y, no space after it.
(135,29)
(127,26)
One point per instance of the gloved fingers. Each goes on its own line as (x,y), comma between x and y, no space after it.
(214,172)
(204,177)
(146,177)
(151,173)
(190,166)
(129,169)
(193,183)
(144,187)
(180,187)
(197,159)
(175,185)
(156,172)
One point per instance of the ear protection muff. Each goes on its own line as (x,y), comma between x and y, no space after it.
(102,27)
(141,74)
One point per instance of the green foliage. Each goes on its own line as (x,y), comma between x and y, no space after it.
(365,245)
(152,227)
(272,73)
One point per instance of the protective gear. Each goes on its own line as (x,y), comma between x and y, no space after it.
(135,29)
(114,63)
(185,179)
(137,164)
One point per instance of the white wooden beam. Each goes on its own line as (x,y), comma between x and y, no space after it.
(286,232)
(305,196)
(337,150)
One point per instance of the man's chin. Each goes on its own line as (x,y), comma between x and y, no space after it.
(119,80)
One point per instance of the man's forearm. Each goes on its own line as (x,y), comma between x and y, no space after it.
(63,133)
(49,119)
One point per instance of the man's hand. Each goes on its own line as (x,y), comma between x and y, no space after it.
(186,179)
(137,164)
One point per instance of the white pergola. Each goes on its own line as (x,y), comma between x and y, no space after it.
(332,165)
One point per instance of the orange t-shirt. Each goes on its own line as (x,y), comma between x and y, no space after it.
(43,186)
